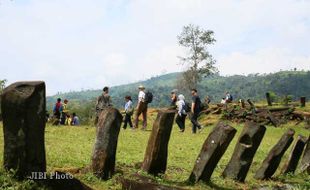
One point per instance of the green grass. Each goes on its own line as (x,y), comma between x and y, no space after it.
(71,147)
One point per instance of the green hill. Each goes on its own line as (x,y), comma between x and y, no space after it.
(254,86)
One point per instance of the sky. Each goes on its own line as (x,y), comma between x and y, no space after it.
(75,45)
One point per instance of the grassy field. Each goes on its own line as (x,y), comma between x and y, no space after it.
(71,147)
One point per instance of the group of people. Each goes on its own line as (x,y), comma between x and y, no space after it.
(228,99)
(104,101)
(178,102)
(184,109)
(62,116)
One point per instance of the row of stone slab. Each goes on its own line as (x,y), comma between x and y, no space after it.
(155,159)
(23,108)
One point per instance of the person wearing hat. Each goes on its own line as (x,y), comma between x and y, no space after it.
(141,108)
(103,102)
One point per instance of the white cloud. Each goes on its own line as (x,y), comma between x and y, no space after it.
(262,61)
(90,44)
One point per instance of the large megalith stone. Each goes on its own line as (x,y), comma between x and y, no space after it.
(211,152)
(272,161)
(23,110)
(244,152)
(305,162)
(294,157)
(104,152)
(155,158)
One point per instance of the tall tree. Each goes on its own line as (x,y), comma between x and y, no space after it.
(199,62)
(2,85)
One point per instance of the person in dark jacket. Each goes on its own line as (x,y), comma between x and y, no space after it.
(195,110)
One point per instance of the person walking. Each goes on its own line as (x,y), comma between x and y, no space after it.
(103,101)
(181,115)
(195,110)
(128,112)
(141,108)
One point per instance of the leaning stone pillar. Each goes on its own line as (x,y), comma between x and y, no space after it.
(292,162)
(155,159)
(305,162)
(244,152)
(272,161)
(211,152)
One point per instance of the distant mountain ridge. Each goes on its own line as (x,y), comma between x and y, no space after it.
(254,86)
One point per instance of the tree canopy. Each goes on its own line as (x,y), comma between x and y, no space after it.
(199,62)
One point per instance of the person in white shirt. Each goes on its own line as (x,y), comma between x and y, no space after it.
(141,108)
(128,112)
(180,119)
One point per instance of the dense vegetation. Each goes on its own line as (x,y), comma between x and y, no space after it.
(254,86)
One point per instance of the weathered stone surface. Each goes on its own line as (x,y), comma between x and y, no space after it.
(303,101)
(305,162)
(23,109)
(293,159)
(272,161)
(211,152)
(268,98)
(155,158)
(144,184)
(244,151)
(104,152)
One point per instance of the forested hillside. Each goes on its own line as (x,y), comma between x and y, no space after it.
(254,86)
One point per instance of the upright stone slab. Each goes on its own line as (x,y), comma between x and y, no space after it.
(272,161)
(305,162)
(293,159)
(244,152)
(104,152)
(211,152)
(303,101)
(155,158)
(23,110)
(268,98)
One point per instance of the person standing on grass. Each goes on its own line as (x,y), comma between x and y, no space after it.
(128,112)
(103,101)
(64,113)
(195,110)
(141,108)
(57,111)
(180,119)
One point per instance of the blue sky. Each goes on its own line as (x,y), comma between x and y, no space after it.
(90,44)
